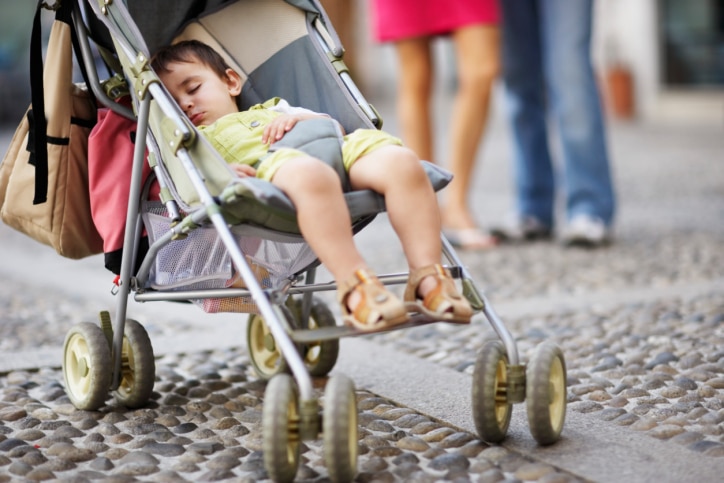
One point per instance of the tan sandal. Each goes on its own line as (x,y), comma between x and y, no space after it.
(378,308)
(444,302)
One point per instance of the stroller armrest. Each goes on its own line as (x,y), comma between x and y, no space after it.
(366,202)
(439,177)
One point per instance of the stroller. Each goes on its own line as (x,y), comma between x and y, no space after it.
(230,244)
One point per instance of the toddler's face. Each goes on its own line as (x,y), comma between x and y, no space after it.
(200,92)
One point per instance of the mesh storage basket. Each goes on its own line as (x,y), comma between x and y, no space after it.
(201,261)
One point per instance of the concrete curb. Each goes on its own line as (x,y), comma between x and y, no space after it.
(590,448)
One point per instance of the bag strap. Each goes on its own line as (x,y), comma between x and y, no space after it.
(38,135)
(36,115)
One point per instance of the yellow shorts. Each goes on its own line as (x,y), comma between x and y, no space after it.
(356,144)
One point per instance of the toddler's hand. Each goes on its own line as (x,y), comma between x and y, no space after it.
(278,127)
(243,170)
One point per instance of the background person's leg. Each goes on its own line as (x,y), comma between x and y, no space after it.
(478,64)
(526,103)
(414,91)
(576,107)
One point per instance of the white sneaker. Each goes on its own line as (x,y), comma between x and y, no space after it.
(520,228)
(586,231)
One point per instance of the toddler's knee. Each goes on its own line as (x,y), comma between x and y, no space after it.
(407,163)
(317,173)
(307,172)
(403,153)
(401,156)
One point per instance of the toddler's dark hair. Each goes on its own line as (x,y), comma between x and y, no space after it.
(188,51)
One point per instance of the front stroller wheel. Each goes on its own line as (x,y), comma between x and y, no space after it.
(280,426)
(138,368)
(491,409)
(266,357)
(546,397)
(86,366)
(340,429)
(319,356)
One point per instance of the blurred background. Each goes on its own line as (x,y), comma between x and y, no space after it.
(658,60)
(15,26)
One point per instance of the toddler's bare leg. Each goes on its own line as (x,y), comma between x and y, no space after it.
(322,214)
(323,217)
(396,173)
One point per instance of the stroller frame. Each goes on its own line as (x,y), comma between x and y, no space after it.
(500,378)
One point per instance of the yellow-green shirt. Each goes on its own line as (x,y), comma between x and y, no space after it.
(237,136)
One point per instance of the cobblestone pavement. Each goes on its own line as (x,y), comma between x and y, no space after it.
(655,367)
(203,424)
(641,324)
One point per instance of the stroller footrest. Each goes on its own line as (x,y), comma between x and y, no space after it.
(306,336)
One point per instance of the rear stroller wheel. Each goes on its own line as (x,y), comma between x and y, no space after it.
(491,409)
(546,397)
(339,428)
(280,427)
(266,357)
(86,366)
(320,356)
(138,367)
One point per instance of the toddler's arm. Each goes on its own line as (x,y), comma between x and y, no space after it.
(291,115)
(281,125)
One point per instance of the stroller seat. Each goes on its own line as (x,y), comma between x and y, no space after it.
(255,201)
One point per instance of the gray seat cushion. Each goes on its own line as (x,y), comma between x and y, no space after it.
(255,201)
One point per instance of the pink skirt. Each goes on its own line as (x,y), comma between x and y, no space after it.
(400,19)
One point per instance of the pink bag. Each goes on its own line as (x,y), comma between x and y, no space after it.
(110,159)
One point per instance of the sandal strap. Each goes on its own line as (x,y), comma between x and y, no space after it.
(416,276)
(444,300)
(443,297)
(344,288)
(376,307)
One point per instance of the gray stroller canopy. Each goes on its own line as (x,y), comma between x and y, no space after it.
(302,64)
(158,21)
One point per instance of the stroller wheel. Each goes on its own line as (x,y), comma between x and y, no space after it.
(491,409)
(266,357)
(320,356)
(546,397)
(280,426)
(138,368)
(339,427)
(86,366)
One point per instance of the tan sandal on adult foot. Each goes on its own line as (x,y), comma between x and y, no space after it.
(377,308)
(444,302)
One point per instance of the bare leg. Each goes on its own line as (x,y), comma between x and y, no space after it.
(324,221)
(396,173)
(322,214)
(414,90)
(478,65)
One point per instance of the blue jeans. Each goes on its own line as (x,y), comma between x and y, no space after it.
(548,75)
